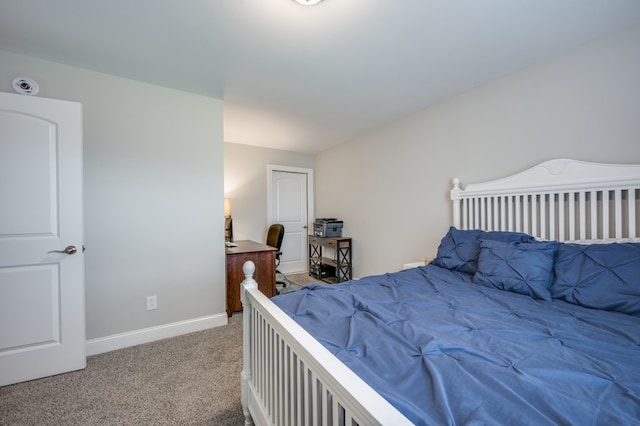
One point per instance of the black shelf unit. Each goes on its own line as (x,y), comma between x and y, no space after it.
(334,269)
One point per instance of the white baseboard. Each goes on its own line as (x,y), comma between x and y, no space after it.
(151,334)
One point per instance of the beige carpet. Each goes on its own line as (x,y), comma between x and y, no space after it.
(187,380)
(303,279)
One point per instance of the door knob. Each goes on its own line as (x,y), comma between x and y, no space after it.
(67,250)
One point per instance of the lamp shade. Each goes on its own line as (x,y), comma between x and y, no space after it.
(227,207)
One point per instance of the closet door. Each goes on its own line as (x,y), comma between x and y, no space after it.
(289,201)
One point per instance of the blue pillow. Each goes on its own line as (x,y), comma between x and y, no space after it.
(507,237)
(459,249)
(600,276)
(524,268)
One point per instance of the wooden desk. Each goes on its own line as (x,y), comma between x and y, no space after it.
(263,256)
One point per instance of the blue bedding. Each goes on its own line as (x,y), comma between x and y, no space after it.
(445,350)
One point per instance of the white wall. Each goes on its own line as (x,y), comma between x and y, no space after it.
(391,187)
(245,183)
(153,181)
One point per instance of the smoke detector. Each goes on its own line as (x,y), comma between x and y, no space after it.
(25,86)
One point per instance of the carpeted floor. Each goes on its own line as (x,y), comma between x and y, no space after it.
(294,282)
(303,279)
(192,379)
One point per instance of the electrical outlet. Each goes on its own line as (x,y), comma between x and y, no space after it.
(152,302)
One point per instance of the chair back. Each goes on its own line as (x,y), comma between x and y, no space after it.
(275,236)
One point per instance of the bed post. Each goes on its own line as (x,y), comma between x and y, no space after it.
(248,268)
(455,197)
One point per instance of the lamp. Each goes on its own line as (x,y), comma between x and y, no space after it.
(227,207)
(308,2)
(228,223)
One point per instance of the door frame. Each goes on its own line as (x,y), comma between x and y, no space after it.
(310,194)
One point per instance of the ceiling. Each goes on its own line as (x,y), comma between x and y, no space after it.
(305,78)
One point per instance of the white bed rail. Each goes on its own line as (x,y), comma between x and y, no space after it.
(563,200)
(289,378)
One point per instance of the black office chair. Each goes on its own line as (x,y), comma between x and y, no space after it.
(274,239)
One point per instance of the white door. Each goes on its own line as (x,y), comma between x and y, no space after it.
(42,323)
(290,207)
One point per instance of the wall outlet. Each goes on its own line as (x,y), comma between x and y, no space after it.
(152,302)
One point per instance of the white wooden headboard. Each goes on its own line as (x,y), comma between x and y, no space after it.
(563,200)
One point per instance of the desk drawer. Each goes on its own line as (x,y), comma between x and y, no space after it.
(325,242)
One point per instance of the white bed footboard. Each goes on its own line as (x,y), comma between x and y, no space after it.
(563,200)
(289,378)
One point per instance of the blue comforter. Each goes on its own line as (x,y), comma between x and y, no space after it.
(443,350)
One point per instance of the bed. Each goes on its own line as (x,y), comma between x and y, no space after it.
(529,314)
